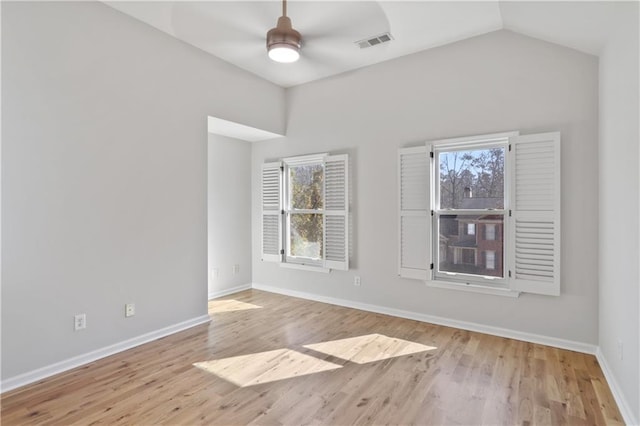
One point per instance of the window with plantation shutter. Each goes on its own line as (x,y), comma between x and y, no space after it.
(414,255)
(305,205)
(482,213)
(535,221)
(271,212)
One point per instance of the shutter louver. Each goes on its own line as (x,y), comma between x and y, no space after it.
(336,204)
(535,225)
(335,241)
(271,212)
(414,254)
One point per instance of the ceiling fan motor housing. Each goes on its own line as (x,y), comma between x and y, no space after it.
(283,34)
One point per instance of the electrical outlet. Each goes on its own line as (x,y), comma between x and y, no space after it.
(236,269)
(620,349)
(356,280)
(80,322)
(129,309)
(215,273)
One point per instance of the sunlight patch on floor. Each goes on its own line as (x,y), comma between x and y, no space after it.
(229,305)
(369,348)
(265,367)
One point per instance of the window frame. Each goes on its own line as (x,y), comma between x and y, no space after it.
(455,279)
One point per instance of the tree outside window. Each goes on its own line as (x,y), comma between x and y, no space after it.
(306,211)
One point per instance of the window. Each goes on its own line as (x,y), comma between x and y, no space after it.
(471,229)
(490,262)
(470,188)
(482,212)
(305,211)
(490,232)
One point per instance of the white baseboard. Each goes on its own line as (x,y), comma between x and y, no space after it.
(464,325)
(627,414)
(77,361)
(226,292)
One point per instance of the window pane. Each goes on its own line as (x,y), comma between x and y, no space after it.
(490,260)
(306,236)
(490,231)
(306,186)
(471,229)
(472,179)
(465,253)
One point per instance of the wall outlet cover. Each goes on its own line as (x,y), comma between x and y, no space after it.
(80,322)
(129,309)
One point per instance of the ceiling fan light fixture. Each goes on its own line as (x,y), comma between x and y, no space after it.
(283,53)
(283,42)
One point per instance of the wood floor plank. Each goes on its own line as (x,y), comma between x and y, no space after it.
(267,359)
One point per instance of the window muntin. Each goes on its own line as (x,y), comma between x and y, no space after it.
(305,212)
(470,197)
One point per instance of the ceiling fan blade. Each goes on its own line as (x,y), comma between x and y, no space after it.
(345,21)
(218,22)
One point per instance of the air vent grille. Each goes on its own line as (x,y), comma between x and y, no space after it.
(375,40)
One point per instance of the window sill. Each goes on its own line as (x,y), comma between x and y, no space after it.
(303,267)
(474,288)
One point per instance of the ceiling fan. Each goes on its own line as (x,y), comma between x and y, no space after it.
(283,42)
(323,35)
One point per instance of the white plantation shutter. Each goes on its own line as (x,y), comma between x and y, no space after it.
(336,212)
(414,256)
(271,212)
(535,223)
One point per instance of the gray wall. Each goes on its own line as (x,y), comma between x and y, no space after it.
(495,82)
(619,303)
(104,175)
(229,213)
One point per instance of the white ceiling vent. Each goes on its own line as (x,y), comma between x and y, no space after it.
(372,41)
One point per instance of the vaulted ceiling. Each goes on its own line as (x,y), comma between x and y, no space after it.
(235,30)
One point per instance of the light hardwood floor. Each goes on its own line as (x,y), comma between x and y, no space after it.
(269,359)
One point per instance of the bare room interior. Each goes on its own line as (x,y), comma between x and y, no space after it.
(320,212)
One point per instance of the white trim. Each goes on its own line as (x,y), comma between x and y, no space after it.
(80,360)
(464,325)
(305,159)
(472,141)
(305,267)
(414,274)
(474,288)
(618,395)
(226,292)
(218,126)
